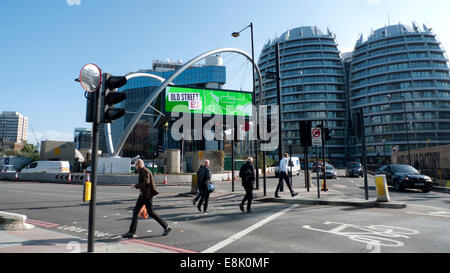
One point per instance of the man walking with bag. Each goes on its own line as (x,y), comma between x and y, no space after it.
(283,175)
(148,190)
(204,178)
(247,174)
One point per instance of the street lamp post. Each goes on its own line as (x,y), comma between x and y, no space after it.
(237,34)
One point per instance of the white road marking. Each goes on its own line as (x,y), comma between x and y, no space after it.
(374,236)
(433,213)
(246,231)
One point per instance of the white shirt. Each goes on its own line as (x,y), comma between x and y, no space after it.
(283,165)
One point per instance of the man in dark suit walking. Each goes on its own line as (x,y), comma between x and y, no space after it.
(148,189)
(247,174)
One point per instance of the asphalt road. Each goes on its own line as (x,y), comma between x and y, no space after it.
(271,228)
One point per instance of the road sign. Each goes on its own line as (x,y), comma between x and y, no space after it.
(316,136)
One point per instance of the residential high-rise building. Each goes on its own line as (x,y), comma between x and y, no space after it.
(400,77)
(13,127)
(313,85)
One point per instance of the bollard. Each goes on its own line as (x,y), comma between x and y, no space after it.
(87,189)
(323,186)
(69,178)
(165,179)
(194,183)
(382,189)
(17,176)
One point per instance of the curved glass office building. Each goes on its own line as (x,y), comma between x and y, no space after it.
(313,85)
(400,76)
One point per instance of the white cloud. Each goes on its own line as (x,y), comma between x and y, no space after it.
(373,2)
(73,2)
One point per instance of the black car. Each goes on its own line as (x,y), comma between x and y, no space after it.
(405,176)
(354,169)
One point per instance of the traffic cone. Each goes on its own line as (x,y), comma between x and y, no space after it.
(165,179)
(228,177)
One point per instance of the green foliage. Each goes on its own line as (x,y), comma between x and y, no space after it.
(28,151)
(269,161)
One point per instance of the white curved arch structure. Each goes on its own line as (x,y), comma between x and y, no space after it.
(109,141)
(150,99)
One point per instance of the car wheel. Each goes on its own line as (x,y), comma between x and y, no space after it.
(426,189)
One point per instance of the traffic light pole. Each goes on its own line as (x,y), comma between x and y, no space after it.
(278,82)
(323,156)
(364,153)
(95,142)
(307,168)
(317,176)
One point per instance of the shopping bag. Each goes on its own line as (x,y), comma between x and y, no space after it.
(210,186)
(143,212)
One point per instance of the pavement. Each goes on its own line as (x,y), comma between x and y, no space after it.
(38,239)
(41,240)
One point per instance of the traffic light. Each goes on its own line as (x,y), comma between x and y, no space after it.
(357,123)
(159,150)
(328,133)
(109,97)
(90,99)
(305,133)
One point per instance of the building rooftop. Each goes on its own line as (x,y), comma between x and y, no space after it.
(299,33)
(394,30)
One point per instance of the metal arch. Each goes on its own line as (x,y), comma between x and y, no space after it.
(109,142)
(149,100)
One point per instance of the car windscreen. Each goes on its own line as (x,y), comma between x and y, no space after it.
(354,165)
(330,168)
(404,169)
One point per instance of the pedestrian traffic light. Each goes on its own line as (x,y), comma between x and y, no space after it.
(305,133)
(110,97)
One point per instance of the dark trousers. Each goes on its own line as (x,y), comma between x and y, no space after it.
(204,197)
(198,195)
(248,196)
(283,176)
(149,205)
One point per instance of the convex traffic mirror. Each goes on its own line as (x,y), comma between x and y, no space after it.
(90,77)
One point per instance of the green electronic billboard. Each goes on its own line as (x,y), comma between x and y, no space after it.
(208,101)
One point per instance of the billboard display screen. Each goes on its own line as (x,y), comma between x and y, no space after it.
(208,101)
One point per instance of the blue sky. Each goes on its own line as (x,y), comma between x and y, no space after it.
(45,43)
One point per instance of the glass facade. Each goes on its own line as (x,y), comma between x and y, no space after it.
(400,77)
(144,137)
(313,85)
